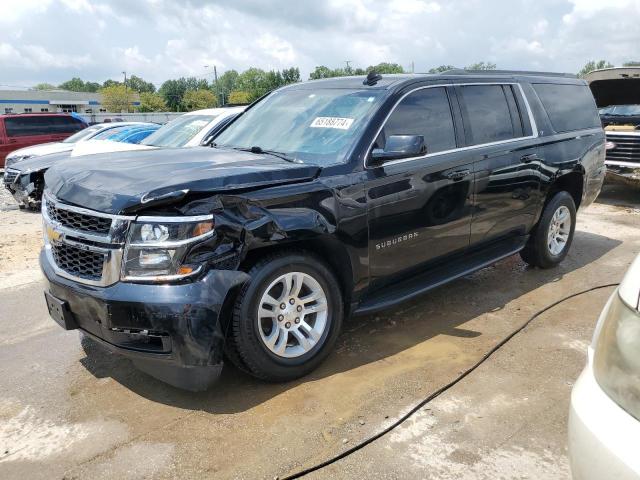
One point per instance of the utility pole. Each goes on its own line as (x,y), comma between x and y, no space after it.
(126,93)
(347,62)
(413,70)
(218,93)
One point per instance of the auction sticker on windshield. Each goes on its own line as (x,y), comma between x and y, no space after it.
(332,122)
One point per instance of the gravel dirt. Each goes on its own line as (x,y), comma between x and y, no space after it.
(66,413)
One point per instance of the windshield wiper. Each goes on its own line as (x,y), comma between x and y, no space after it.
(259,150)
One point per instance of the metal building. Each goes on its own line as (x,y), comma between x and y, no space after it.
(33,101)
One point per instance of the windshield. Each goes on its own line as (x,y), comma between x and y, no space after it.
(623,110)
(312,126)
(133,135)
(112,132)
(178,132)
(82,134)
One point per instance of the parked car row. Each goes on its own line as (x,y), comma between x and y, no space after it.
(25,168)
(65,145)
(26,129)
(24,173)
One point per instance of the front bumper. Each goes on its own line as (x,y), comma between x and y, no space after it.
(25,190)
(623,174)
(171,331)
(602,436)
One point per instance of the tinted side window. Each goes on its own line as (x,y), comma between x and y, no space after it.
(516,115)
(25,126)
(570,107)
(424,112)
(487,114)
(65,124)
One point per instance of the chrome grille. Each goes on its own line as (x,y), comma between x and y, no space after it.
(83,245)
(78,262)
(627,148)
(78,221)
(10,176)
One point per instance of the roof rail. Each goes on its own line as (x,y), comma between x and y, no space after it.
(460,71)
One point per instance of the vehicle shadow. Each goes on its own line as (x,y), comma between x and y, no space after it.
(369,338)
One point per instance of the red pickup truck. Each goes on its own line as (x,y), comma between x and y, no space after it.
(26,129)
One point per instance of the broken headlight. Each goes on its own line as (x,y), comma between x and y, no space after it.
(616,361)
(157,246)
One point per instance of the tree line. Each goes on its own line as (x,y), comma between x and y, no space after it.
(592,65)
(230,88)
(233,87)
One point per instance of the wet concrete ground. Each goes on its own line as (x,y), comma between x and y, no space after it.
(66,414)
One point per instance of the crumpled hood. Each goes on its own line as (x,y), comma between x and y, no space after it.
(39,163)
(123,181)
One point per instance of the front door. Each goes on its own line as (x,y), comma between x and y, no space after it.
(419,209)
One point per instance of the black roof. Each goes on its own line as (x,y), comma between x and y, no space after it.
(393,80)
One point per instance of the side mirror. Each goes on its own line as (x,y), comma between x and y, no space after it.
(400,146)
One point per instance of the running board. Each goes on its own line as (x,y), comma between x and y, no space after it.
(437,276)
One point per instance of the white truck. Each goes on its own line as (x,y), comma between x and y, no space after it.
(617,94)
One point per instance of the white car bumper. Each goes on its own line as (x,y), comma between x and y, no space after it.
(603,438)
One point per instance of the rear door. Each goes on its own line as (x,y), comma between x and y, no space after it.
(62,127)
(419,209)
(502,143)
(68,125)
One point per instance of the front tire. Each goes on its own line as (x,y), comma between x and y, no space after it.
(551,239)
(287,319)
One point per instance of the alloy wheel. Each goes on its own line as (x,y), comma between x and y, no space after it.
(559,230)
(292,314)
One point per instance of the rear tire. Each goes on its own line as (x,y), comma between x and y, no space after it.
(551,238)
(287,319)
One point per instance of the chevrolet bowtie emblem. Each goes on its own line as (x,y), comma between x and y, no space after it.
(53,235)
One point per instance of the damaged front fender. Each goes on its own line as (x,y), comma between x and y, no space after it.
(244,223)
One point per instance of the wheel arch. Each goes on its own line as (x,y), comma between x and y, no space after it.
(571,182)
(327,249)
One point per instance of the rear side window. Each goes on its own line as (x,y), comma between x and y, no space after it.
(488,117)
(570,107)
(66,124)
(41,125)
(424,112)
(27,126)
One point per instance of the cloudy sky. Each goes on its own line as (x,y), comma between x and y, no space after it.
(54,40)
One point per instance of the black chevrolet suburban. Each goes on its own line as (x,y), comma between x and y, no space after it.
(322,200)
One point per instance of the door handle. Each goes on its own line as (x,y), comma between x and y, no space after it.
(457,175)
(529,158)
